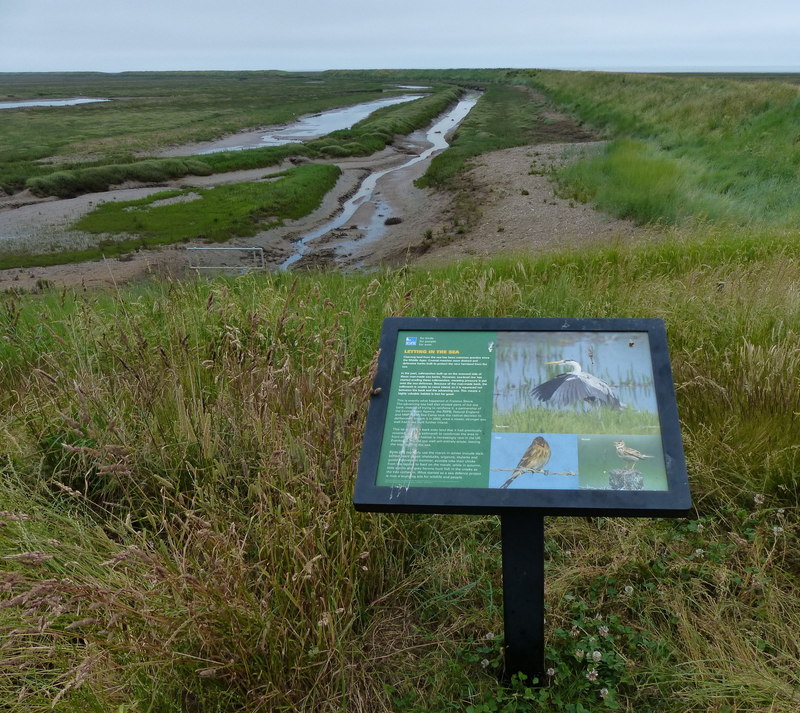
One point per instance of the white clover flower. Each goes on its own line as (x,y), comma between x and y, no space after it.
(575,631)
(628,589)
(489,636)
(700,527)
(603,631)
(700,552)
(758,498)
(597,656)
(777,530)
(592,675)
(579,654)
(485,663)
(603,693)
(551,672)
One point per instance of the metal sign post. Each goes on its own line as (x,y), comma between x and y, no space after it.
(522,536)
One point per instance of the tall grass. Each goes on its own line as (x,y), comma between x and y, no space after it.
(726,147)
(177,467)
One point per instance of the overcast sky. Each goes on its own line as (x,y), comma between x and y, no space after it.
(118,35)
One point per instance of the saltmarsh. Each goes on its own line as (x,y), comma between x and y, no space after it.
(216,214)
(151,110)
(177,467)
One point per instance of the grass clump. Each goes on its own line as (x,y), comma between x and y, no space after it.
(631,179)
(68,184)
(178,459)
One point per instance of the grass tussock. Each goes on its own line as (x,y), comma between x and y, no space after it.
(177,465)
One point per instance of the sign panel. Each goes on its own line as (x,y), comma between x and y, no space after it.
(483,415)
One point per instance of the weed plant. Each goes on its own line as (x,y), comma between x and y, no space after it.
(177,467)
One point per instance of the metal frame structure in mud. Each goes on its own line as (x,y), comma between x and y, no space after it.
(257,255)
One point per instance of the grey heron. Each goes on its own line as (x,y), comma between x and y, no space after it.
(575,386)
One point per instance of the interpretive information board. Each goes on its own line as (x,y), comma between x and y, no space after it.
(523,418)
(547,409)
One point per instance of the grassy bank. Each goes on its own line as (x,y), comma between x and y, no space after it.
(505,116)
(686,147)
(178,459)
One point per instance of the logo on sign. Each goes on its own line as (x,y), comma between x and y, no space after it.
(411,341)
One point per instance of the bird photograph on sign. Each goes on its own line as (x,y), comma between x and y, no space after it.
(575,386)
(532,461)
(575,410)
(574,382)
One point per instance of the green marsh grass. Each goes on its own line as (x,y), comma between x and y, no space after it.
(177,466)
(119,146)
(219,213)
(152,110)
(706,146)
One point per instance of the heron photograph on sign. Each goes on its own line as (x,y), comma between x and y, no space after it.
(480,415)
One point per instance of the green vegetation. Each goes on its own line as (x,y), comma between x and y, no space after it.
(216,213)
(505,116)
(177,462)
(151,110)
(367,136)
(600,420)
(701,147)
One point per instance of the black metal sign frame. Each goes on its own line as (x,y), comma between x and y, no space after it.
(672,501)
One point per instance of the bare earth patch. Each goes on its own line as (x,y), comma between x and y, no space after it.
(519,211)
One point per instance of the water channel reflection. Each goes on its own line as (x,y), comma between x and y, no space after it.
(22,104)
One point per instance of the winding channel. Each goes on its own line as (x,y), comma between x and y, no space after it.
(436,135)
